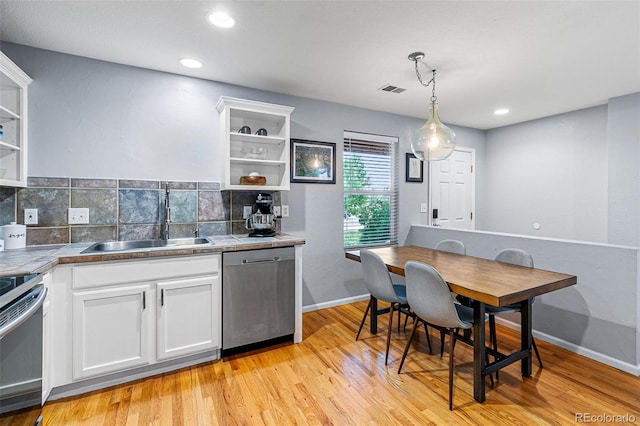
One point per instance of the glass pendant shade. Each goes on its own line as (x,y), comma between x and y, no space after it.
(434,141)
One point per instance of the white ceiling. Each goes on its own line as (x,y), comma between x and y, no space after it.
(535,58)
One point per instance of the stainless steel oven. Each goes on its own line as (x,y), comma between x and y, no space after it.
(21,300)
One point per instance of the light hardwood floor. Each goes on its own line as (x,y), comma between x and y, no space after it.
(330,378)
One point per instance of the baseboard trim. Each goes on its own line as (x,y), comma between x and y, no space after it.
(572,347)
(333,303)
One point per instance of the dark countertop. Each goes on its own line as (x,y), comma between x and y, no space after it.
(39,259)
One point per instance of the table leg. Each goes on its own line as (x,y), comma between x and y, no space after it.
(373,314)
(525,336)
(478,351)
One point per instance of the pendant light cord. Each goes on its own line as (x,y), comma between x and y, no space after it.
(431,82)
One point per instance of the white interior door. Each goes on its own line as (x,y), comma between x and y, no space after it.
(452,190)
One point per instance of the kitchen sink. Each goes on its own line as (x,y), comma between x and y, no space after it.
(112,246)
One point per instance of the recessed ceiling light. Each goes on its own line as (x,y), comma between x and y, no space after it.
(191,63)
(501,111)
(221,19)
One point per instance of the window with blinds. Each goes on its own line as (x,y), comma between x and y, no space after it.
(370,168)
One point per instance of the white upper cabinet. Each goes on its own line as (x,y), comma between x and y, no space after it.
(13,119)
(262,150)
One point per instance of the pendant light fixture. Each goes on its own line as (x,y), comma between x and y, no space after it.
(433,141)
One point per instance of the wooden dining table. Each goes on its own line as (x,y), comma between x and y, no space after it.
(486,282)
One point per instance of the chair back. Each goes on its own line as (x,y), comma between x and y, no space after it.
(515,257)
(376,277)
(452,246)
(429,296)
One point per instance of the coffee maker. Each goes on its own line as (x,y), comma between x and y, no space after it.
(263,222)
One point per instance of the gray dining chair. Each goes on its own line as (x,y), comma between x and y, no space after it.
(430,300)
(515,257)
(452,246)
(378,281)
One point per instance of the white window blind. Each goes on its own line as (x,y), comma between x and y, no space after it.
(370,167)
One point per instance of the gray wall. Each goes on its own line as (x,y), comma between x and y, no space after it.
(552,171)
(598,317)
(95,119)
(576,174)
(624,170)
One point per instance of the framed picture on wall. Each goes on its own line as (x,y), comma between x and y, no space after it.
(414,168)
(313,162)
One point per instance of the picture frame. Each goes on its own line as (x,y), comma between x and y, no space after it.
(414,168)
(313,161)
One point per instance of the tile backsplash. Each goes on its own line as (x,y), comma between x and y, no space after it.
(121,209)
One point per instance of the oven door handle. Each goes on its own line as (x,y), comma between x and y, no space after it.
(39,293)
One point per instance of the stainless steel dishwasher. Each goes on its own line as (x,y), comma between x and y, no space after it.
(258,296)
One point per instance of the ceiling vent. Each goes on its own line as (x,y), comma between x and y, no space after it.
(392,89)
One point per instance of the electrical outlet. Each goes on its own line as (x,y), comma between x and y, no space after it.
(424,208)
(30,216)
(78,216)
(246,211)
(285,211)
(276,211)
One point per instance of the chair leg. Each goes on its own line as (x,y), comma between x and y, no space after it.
(535,348)
(453,331)
(386,355)
(366,311)
(441,343)
(452,344)
(399,312)
(426,331)
(406,348)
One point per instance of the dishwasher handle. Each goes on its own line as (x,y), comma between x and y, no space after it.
(273,259)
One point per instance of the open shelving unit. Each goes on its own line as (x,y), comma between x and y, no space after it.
(246,153)
(13,118)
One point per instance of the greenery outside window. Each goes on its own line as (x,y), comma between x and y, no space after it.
(370,167)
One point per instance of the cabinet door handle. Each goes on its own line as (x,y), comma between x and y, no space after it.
(144,300)
(162,297)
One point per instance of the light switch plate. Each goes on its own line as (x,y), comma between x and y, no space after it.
(424,208)
(78,216)
(30,216)
(285,210)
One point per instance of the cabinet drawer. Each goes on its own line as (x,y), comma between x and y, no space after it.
(109,273)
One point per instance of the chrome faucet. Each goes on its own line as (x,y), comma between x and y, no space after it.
(167,213)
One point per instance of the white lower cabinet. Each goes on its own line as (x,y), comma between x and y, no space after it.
(122,316)
(186,316)
(110,330)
